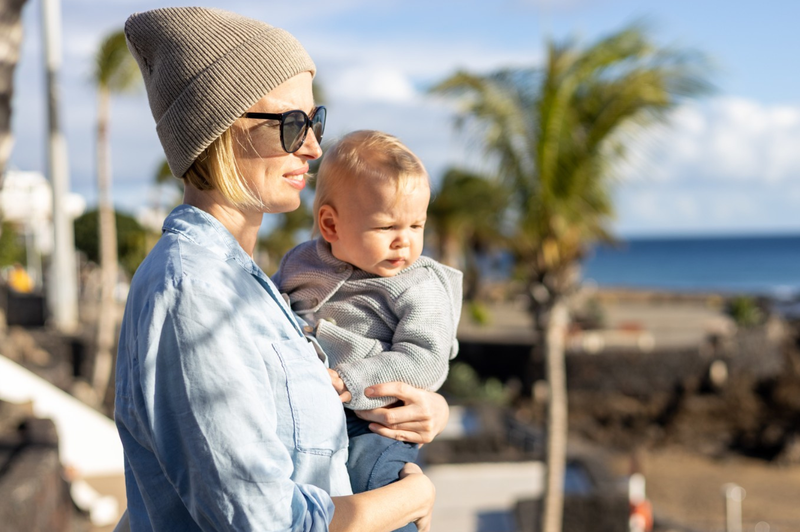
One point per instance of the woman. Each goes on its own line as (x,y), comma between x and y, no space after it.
(228,419)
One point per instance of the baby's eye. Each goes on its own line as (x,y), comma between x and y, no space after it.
(386,228)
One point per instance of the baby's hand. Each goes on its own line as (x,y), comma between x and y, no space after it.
(339,386)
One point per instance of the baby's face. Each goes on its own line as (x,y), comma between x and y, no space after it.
(379,228)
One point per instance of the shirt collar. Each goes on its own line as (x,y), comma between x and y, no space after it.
(204,230)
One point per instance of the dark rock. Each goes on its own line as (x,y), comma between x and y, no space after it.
(34,495)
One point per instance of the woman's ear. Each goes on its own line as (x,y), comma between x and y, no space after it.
(328,220)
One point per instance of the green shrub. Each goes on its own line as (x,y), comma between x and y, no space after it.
(745,311)
(131,239)
(464,384)
(479,313)
(12,247)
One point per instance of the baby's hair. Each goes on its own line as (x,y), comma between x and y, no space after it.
(365,154)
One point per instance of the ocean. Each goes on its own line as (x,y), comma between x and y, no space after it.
(764,265)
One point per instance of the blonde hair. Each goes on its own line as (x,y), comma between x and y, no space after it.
(216,169)
(365,154)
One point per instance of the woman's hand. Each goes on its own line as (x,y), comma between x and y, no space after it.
(409,500)
(339,386)
(420,418)
(424,522)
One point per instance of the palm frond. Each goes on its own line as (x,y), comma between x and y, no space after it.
(557,131)
(115,67)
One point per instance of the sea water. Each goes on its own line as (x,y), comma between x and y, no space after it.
(768,265)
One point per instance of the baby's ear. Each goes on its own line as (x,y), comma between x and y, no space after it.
(328,219)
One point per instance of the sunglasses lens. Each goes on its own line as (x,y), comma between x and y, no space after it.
(293,130)
(318,123)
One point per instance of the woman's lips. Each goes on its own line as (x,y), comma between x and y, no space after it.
(300,171)
(297,178)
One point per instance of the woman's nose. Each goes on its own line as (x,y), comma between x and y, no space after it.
(310,148)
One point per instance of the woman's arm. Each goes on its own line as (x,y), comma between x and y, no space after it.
(409,500)
(422,416)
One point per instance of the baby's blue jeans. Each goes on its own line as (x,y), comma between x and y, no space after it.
(376,461)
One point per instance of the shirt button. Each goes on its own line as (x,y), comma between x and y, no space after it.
(308,329)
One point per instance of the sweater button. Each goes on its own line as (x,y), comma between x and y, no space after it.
(341,269)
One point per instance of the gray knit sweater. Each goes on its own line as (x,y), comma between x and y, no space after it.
(376,329)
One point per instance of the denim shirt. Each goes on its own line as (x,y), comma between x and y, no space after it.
(227,415)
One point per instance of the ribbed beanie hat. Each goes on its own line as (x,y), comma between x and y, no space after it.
(203,68)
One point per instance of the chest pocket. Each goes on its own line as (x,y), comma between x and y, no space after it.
(317,412)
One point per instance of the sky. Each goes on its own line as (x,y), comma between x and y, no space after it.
(728,163)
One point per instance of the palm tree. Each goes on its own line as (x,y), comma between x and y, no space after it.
(115,72)
(163,174)
(466,218)
(559,133)
(10,40)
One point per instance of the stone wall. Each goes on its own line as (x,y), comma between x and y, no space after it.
(757,353)
(736,394)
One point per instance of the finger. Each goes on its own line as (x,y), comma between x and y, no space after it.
(405,417)
(409,469)
(333,375)
(424,524)
(401,390)
(399,435)
(337,382)
(396,416)
(345,397)
(411,426)
(370,415)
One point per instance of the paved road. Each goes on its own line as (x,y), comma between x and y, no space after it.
(481,497)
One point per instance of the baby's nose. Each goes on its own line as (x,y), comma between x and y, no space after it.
(402,241)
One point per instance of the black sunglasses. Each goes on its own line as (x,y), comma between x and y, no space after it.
(295,125)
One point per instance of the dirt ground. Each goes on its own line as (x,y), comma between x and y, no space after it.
(686,488)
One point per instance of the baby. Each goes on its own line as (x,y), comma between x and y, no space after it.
(380,310)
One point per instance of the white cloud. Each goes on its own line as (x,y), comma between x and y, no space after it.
(655,208)
(669,208)
(429,58)
(374,84)
(726,139)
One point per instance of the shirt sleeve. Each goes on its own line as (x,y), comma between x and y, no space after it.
(422,345)
(212,417)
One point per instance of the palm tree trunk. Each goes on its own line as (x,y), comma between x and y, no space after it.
(554,327)
(10,40)
(107,315)
(449,249)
